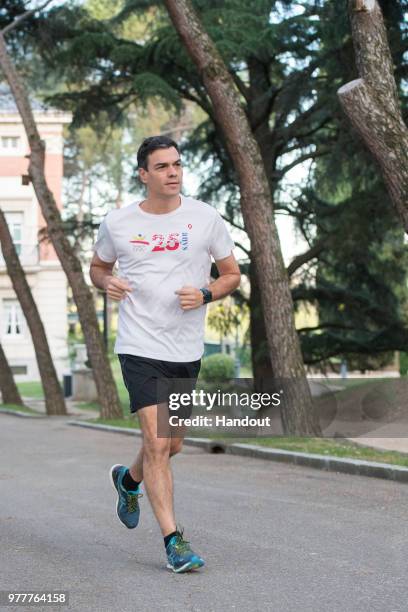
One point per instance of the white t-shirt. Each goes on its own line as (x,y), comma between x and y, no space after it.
(158,254)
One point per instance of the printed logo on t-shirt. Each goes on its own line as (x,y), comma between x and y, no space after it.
(184,240)
(139,242)
(161,242)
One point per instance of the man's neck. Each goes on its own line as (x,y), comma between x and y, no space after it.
(159,206)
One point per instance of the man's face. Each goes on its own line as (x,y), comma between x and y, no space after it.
(164,173)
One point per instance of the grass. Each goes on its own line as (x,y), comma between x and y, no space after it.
(91,406)
(330,446)
(130,423)
(35,390)
(17,408)
(31,389)
(317,446)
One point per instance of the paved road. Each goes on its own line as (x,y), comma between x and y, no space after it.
(275,537)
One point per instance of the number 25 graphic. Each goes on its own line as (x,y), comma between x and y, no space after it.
(171,245)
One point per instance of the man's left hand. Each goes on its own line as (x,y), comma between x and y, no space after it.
(190,298)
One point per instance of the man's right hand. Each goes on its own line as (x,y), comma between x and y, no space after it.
(116,288)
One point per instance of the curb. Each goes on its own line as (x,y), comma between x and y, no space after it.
(211,446)
(329,463)
(21,414)
(122,430)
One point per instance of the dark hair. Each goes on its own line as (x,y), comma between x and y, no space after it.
(152,144)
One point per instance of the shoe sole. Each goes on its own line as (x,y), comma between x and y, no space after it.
(117,503)
(187,567)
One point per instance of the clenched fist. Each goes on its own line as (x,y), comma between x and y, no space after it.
(117,288)
(190,298)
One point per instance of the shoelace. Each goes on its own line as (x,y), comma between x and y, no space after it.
(133,501)
(182,545)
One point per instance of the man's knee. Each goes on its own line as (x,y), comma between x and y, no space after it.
(157,449)
(176,446)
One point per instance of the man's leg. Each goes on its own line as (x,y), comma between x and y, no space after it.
(136,468)
(154,459)
(158,481)
(176,444)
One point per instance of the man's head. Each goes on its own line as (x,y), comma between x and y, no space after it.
(158,160)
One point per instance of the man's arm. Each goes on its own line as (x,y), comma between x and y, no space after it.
(229,279)
(102,277)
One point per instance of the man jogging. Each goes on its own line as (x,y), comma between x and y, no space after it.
(163,246)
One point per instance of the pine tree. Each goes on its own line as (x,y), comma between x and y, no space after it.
(288,63)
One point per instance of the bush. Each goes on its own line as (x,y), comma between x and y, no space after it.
(403,364)
(217,368)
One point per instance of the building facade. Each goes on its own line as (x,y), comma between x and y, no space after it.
(23,214)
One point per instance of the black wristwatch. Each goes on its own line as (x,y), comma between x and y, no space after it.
(207,295)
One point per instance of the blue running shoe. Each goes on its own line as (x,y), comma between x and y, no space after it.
(180,557)
(127,507)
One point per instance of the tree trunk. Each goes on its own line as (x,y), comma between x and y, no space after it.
(297,408)
(261,362)
(54,399)
(9,391)
(371,102)
(107,392)
(119,197)
(80,213)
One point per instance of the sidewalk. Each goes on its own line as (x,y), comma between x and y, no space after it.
(393,437)
(74,409)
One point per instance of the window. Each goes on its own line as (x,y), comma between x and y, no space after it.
(14,322)
(15,224)
(20,369)
(10,142)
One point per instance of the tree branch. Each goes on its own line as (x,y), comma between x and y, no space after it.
(301,159)
(242,88)
(233,223)
(380,344)
(298,261)
(371,102)
(328,326)
(240,246)
(285,133)
(372,52)
(22,18)
(385,137)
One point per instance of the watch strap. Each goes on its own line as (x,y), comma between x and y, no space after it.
(207,295)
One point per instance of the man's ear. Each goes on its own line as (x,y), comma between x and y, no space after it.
(142,175)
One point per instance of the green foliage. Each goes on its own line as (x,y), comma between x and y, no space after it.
(31,389)
(18,408)
(245,356)
(288,61)
(217,368)
(359,286)
(148,85)
(226,318)
(404,364)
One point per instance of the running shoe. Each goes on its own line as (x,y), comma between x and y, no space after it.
(127,507)
(180,557)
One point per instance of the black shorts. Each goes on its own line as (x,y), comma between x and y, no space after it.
(150,381)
